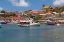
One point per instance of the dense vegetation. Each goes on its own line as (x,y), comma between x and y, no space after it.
(58,9)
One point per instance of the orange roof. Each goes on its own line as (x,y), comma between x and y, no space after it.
(34,11)
(49,12)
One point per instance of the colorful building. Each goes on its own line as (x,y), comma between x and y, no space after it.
(47,8)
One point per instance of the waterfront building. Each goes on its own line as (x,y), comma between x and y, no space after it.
(16,19)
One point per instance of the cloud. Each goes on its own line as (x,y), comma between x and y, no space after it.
(21,3)
(1,8)
(58,2)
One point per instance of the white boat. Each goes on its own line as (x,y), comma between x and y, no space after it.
(28,23)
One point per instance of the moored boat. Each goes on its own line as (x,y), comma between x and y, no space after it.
(2,22)
(28,23)
(50,23)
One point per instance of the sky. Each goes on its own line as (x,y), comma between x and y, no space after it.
(21,5)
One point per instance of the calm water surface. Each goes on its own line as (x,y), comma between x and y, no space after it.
(43,33)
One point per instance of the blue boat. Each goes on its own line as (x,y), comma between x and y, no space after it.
(3,22)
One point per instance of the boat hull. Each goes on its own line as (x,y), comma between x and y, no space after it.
(29,25)
(50,23)
(3,22)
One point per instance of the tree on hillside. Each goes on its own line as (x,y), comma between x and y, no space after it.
(43,6)
(62,8)
(37,17)
(2,11)
(57,9)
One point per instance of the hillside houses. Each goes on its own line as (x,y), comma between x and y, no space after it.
(45,12)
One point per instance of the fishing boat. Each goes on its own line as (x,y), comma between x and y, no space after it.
(28,23)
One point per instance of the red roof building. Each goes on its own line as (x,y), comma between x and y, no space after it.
(17,18)
(2,18)
(16,12)
(34,11)
(37,11)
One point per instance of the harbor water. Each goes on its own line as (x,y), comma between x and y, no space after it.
(42,33)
